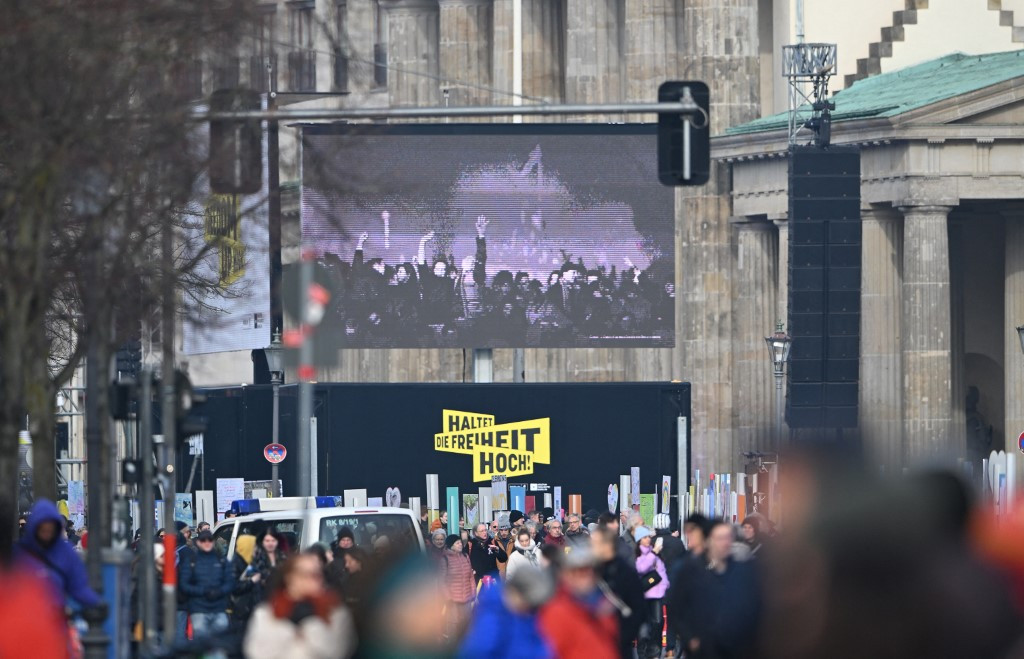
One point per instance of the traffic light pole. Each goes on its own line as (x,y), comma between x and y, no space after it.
(168,415)
(146,505)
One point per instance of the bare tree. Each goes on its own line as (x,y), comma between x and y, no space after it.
(97,156)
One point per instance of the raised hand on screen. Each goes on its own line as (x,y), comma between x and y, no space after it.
(481,225)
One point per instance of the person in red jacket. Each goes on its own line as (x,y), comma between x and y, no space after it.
(580,621)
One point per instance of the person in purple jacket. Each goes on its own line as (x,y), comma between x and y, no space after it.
(648,560)
(44,550)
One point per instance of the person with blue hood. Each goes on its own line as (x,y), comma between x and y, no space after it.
(44,550)
(504,623)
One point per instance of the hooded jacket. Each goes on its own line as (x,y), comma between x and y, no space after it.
(59,563)
(500,633)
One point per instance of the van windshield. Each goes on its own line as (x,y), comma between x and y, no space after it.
(368,529)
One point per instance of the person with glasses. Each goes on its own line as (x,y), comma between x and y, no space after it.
(553,534)
(301,617)
(484,553)
(576,535)
(207,580)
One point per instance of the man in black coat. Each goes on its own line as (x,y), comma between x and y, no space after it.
(207,580)
(622,580)
(716,601)
(484,553)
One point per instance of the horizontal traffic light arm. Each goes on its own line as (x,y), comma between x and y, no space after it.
(675,107)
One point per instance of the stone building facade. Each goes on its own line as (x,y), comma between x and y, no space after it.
(730,279)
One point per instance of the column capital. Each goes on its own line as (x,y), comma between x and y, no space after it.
(407,5)
(751,222)
(925,208)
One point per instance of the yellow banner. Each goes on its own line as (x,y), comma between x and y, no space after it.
(505,449)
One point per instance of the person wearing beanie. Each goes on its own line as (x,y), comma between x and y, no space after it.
(516,518)
(651,568)
(459,587)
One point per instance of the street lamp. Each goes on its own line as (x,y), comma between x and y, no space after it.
(778,350)
(275,362)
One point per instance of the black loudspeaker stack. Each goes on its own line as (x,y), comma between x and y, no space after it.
(824,287)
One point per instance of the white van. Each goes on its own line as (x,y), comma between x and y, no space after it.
(303,527)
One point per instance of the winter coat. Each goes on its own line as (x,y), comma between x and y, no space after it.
(521,557)
(580,630)
(647,561)
(207,580)
(33,618)
(509,545)
(459,585)
(621,577)
(59,564)
(555,541)
(721,610)
(281,629)
(499,633)
(673,552)
(579,539)
(484,556)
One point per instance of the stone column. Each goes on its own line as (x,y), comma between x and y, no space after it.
(754,310)
(718,44)
(465,43)
(1013,306)
(958,383)
(593,58)
(881,385)
(413,46)
(543,49)
(926,335)
(653,45)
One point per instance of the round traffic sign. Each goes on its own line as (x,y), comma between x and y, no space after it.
(274,453)
(1020,442)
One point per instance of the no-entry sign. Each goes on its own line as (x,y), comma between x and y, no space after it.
(274,453)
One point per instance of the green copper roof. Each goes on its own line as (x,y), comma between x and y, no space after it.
(891,94)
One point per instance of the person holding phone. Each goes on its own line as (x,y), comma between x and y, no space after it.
(654,579)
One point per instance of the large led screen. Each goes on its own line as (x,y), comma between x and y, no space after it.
(497,235)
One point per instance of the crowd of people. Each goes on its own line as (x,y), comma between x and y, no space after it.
(909,568)
(447,303)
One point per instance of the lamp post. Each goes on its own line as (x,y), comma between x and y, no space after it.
(778,350)
(275,358)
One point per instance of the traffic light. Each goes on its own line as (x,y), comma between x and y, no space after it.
(129,358)
(684,139)
(236,147)
(188,418)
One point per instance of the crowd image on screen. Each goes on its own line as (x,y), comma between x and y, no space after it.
(450,300)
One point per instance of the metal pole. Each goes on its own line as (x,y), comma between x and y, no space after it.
(168,408)
(275,380)
(306,373)
(146,504)
(778,414)
(669,107)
